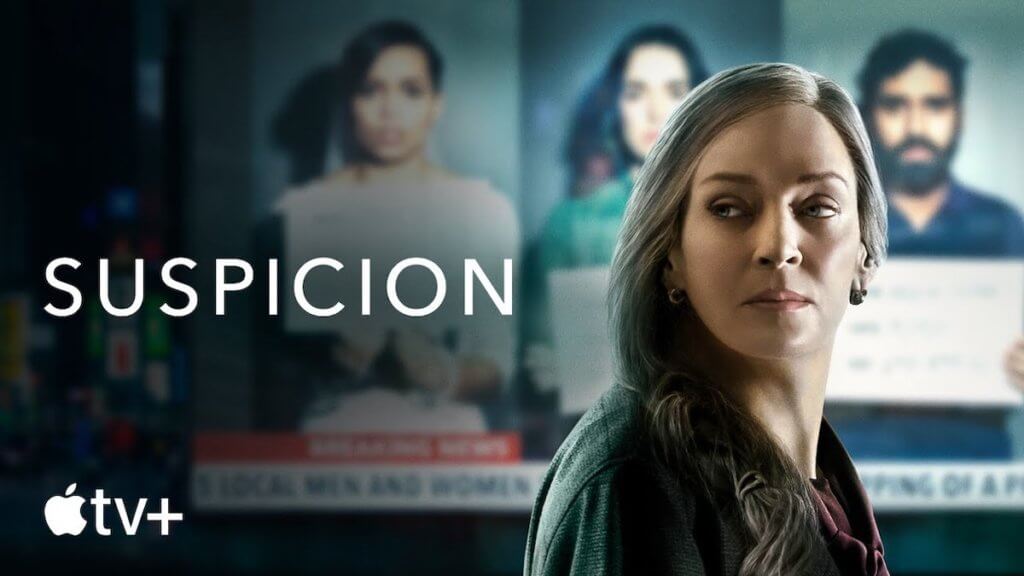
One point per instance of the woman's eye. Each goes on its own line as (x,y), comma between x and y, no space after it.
(677,90)
(632,92)
(725,211)
(821,211)
(413,90)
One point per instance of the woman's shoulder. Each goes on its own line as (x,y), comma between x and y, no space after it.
(480,195)
(601,486)
(610,431)
(609,198)
(300,195)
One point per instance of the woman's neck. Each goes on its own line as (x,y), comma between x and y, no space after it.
(413,169)
(786,396)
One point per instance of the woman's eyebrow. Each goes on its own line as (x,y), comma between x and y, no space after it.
(733,177)
(819,176)
(737,178)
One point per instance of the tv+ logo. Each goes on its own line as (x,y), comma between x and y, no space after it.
(64,514)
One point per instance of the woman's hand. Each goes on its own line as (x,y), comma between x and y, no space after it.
(355,352)
(1013,362)
(425,362)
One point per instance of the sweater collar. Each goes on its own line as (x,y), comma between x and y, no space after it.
(838,469)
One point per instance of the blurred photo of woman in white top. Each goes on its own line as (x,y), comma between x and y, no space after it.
(390,201)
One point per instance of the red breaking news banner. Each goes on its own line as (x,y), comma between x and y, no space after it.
(233,447)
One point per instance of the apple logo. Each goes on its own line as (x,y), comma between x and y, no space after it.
(64,515)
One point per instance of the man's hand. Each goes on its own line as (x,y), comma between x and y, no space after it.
(1013,361)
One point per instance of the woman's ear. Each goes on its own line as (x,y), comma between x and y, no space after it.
(866,267)
(672,272)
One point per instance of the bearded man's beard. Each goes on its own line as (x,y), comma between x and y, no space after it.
(915,178)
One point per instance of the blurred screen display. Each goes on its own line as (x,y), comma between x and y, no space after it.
(500,131)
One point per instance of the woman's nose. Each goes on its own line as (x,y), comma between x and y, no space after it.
(388,101)
(659,107)
(778,239)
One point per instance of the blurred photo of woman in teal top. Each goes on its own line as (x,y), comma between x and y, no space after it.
(616,124)
(646,78)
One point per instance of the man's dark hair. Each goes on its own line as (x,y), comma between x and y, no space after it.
(895,52)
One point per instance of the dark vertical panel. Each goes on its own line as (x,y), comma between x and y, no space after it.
(218,66)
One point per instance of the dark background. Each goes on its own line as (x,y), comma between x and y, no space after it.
(80,127)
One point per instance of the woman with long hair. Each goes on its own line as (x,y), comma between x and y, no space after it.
(755,220)
(390,201)
(618,120)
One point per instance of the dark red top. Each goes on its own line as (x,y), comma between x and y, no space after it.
(846,518)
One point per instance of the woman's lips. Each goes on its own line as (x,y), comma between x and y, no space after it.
(778,299)
(389,137)
(779,305)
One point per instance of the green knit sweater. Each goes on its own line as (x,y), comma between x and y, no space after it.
(605,508)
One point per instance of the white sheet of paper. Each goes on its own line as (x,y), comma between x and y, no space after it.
(583,351)
(445,223)
(931,332)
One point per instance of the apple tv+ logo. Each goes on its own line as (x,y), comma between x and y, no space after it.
(64,514)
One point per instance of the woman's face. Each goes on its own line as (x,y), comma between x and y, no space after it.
(773,206)
(655,80)
(396,107)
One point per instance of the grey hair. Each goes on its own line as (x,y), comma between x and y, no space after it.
(695,426)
